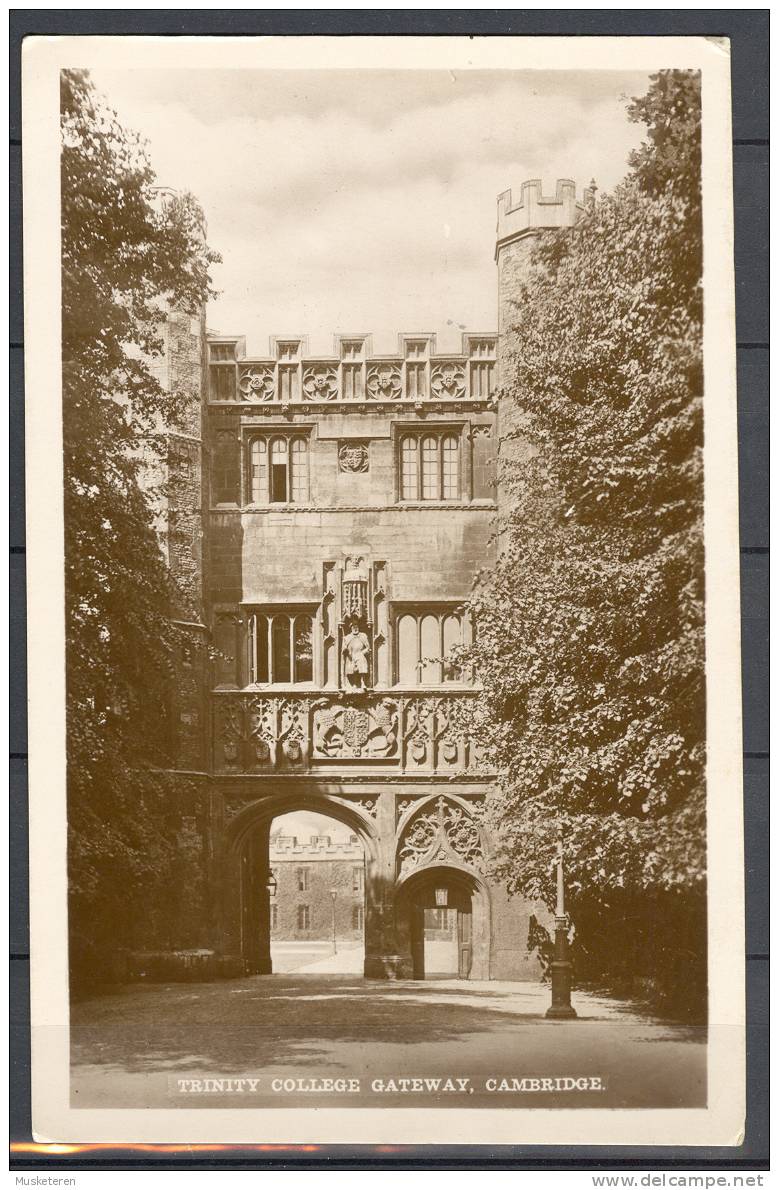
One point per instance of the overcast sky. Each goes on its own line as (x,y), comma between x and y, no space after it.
(303,824)
(364,201)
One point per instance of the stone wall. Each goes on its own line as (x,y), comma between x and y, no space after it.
(321,871)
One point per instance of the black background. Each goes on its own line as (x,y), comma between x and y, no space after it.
(748,33)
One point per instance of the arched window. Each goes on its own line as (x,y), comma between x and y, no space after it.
(450,468)
(280,648)
(259,471)
(408,653)
(303,653)
(299,492)
(430,479)
(279,470)
(429,650)
(410,469)
(423,640)
(430,466)
(452,636)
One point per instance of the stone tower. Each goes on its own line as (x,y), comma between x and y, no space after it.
(519,222)
(178,473)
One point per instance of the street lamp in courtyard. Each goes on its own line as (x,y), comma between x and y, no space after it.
(271,883)
(561,1007)
(333,895)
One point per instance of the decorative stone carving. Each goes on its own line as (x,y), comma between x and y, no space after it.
(430,739)
(353,457)
(384,382)
(481,432)
(419,729)
(441,832)
(257,733)
(266,733)
(262,731)
(356,651)
(293,734)
(257,383)
(320,382)
(368,803)
(354,589)
(405,803)
(353,731)
(447,381)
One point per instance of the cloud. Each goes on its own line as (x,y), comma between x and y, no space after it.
(350,200)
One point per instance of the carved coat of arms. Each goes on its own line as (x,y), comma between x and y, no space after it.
(356,732)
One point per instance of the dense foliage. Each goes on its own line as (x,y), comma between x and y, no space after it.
(124,260)
(590,643)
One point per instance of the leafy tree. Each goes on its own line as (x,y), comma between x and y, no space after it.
(125,262)
(590,643)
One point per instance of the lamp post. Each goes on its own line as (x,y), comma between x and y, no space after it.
(561,1008)
(333,895)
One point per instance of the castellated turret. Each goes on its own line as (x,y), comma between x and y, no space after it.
(518,221)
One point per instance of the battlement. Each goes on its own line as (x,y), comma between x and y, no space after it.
(318,847)
(535,211)
(416,373)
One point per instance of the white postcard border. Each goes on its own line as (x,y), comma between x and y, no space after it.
(721,1123)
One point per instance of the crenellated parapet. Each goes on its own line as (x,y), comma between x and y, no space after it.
(290,377)
(535,211)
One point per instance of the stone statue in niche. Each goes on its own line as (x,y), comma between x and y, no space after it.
(356,652)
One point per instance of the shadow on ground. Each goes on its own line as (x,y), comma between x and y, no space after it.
(275,1020)
(275,1017)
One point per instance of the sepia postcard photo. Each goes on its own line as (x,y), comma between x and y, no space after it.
(383,589)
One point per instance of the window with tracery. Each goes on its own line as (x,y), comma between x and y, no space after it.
(423,642)
(430,466)
(280,647)
(278,469)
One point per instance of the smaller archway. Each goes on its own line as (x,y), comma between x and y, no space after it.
(444,914)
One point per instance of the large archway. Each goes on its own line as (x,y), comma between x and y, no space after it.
(317,905)
(249,882)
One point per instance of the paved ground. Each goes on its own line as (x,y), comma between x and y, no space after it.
(134,1047)
(309,958)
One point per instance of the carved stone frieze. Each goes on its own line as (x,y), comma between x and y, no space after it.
(257,383)
(447,381)
(265,732)
(403,804)
(384,382)
(356,730)
(442,831)
(320,382)
(429,739)
(368,803)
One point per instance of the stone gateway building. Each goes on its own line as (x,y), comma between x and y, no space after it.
(327,519)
